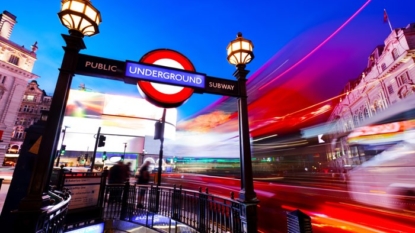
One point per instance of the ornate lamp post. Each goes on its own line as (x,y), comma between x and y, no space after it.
(239,54)
(81,18)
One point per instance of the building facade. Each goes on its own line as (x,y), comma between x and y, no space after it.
(34,101)
(388,78)
(16,65)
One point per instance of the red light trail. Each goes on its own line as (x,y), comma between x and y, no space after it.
(320,45)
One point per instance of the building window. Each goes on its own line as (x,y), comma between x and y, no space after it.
(14,60)
(383,66)
(19,121)
(395,54)
(25,108)
(354,151)
(355,120)
(403,79)
(398,80)
(375,106)
(30,98)
(19,135)
(3,80)
(366,113)
(349,125)
(361,118)
(390,89)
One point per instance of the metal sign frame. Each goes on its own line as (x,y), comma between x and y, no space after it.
(115,70)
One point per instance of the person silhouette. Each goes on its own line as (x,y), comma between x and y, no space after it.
(143,177)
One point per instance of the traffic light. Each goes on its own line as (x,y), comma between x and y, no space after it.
(63,149)
(101,141)
(104,156)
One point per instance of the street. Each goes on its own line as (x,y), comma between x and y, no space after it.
(3,192)
(330,207)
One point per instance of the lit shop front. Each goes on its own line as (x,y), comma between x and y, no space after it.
(125,122)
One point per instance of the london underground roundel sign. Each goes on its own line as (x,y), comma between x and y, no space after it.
(164,95)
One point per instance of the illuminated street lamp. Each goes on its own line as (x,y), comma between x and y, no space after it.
(81,18)
(239,54)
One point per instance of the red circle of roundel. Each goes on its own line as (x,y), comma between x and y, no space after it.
(155,96)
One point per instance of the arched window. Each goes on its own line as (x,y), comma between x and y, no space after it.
(383,66)
(356,120)
(395,54)
(361,118)
(366,113)
(14,59)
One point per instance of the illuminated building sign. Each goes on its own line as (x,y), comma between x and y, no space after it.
(164,75)
(382,129)
(380,133)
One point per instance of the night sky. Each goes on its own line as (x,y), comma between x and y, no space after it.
(311,48)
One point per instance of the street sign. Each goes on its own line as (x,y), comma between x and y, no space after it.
(84,190)
(221,86)
(164,75)
(101,67)
(35,148)
(162,95)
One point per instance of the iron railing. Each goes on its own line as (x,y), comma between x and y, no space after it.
(54,218)
(51,218)
(171,209)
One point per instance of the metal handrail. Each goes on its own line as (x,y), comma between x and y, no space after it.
(53,217)
(55,208)
(168,208)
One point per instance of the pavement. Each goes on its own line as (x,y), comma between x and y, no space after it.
(3,192)
(6,173)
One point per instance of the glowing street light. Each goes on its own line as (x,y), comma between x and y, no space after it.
(80,17)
